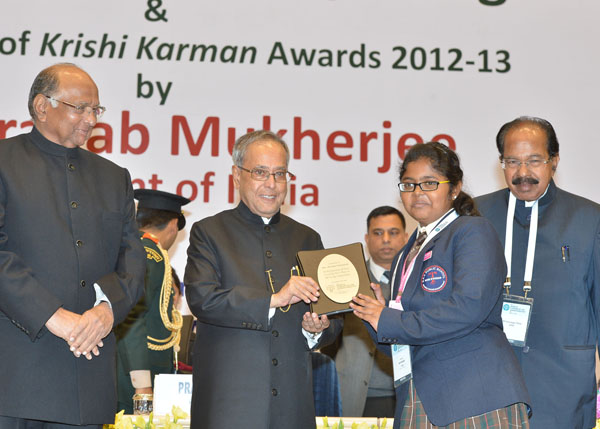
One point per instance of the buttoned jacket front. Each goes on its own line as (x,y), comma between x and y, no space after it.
(249,371)
(559,359)
(462,364)
(66,222)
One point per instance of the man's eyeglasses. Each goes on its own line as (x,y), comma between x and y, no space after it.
(513,164)
(429,185)
(263,175)
(98,111)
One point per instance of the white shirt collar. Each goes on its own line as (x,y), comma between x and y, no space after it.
(377,271)
(428,228)
(530,203)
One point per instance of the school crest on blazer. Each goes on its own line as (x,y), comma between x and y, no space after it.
(434,279)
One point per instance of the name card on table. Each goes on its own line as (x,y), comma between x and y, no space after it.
(172,389)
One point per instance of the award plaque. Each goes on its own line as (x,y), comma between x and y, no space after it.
(341,273)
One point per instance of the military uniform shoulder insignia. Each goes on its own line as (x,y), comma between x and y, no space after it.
(153,254)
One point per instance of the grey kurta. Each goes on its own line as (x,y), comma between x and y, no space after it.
(558,362)
(66,222)
(356,360)
(248,371)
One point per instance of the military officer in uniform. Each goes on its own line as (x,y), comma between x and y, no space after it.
(148,339)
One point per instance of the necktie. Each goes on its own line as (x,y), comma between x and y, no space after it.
(385,284)
(415,248)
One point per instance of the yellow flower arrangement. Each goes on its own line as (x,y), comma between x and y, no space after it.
(126,422)
(340,425)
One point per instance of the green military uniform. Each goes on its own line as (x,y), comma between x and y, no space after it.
(144,321)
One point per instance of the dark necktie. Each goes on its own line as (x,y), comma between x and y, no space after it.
(387,276)
(415,248)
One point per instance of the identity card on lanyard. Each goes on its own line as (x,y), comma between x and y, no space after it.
(401,360)
(516,309)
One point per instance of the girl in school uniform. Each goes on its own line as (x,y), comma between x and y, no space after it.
(453,366)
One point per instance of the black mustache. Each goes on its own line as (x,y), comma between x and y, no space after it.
(528,180)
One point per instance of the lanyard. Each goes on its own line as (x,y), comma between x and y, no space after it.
(443,223)
(533,226)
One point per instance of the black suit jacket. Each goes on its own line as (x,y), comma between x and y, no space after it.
(249,371)
(66,222)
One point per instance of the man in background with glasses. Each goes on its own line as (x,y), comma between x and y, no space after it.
(551,307)
(251,362)
(71,261)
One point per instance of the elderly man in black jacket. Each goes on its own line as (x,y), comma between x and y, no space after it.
(71,261)
(251,362)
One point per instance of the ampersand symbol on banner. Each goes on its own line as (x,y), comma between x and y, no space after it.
(153,13)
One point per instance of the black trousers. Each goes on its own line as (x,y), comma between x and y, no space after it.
(18,423)
(379,406)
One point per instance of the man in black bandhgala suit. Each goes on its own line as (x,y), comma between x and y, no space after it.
(71,261)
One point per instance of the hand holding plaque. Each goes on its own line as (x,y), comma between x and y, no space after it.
(341,273)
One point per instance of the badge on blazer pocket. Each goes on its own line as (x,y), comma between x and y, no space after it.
(434,279)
